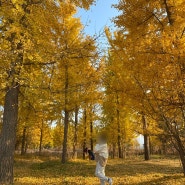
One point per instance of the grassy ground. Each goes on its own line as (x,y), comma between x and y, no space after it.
(43,171)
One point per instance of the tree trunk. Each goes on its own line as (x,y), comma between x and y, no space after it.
(85,132)
(26,147)
(23,141)
(124,152)
(75,133)
(182,158)
(181,151)
(163,148)
(114,151)
(8,135)
(66,116)
(91,132)
(119,136)
(41,137)
(66,125)
(119,145)
(120,154)
(146,140)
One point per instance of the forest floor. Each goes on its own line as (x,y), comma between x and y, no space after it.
(30,170)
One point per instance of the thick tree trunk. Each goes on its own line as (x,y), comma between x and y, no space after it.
(146,139)
(85,133)
(8,135)
(75,134)
(23,141)
(66,116)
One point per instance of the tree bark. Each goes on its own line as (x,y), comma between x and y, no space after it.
(8,135)
(119,143)
(66,116)
(85,132)
(120,154)
(91,132)
(114,150)
(23,141)
(181,151)
(124,152)
(75,133)
(169,13)
(182,158)
(41,137)
(146,139)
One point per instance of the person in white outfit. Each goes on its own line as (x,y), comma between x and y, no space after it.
(101,157)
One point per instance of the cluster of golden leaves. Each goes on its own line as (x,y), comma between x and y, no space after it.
(146,61)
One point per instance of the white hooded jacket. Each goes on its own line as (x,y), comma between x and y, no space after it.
(101,150)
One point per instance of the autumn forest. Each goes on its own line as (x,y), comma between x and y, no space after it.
(59,89)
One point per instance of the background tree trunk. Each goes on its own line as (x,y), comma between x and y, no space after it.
(23,141)
(41,137)
(66,117)
(146,139)
(114,151)
(8,135)
(75,141)
(91,132)
(181,150)
(85,132)
(66,124)
(120,154)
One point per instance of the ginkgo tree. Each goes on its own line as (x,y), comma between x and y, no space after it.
(74,57)
(28,43)
(117,116)
(149,43)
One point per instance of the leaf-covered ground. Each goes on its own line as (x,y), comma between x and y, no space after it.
(43,171)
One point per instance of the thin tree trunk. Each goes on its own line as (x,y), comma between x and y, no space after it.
(26,147)
(163,148)
(146,139)
(124,151)
(182,158)
(23,141)
(91,132)
(119,143)
(181,151)
(120,154)
(66,125)
(66,117)
(75,133)
(85,132)
(8,135)
(168,12)
(41,137)
(114,151)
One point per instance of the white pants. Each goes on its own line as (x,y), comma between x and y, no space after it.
(100,173)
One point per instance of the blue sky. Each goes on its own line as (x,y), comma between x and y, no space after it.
(98,16)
